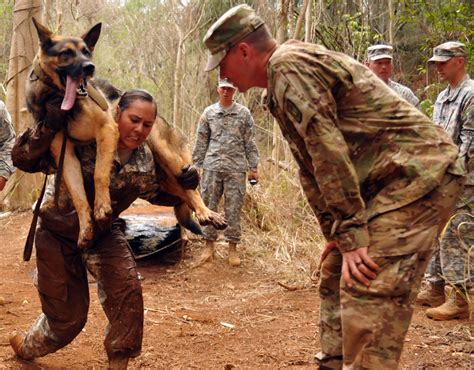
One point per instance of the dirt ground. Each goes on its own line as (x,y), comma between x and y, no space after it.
(210,316)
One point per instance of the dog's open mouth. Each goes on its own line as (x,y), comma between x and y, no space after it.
(74,88)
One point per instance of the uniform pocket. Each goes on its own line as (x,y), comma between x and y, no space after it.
(50,264)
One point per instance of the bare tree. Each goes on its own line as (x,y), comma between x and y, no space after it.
(22,188)
(193,22)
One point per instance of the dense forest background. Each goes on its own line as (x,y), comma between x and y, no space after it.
(157,45)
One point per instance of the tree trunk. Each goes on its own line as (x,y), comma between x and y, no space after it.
(390,22)
(177,80)
(22,188)
(301,17)
(309,24)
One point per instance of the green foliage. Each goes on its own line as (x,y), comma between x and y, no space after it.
(438,21)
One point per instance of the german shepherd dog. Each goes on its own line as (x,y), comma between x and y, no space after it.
(63,69)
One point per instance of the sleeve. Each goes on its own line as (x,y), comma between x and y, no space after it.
(251,149)
(466,147)
(316,202)
(411,97)
(7,139)
(312,113)
(30,152)
(202,141)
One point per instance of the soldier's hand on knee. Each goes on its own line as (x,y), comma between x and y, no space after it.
(359,265)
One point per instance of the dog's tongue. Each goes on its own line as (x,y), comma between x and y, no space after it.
(71,92)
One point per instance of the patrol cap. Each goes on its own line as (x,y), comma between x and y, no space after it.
(228,30)
(448,50)
(224,82)
(376,52)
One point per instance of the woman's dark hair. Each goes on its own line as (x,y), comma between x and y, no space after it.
(129,96)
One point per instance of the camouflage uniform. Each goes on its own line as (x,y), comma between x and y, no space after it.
(225,148)
(377,174)
(404,91)
(62,268)
(454,111)
(7,138)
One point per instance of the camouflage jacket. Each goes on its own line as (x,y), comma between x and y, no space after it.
(138,178)
(362,150)
(404,91)
(454,111)
(225,140)
(7,138)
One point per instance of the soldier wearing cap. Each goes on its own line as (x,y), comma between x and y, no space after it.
(454,111)
(379,61)
(380,177)
(7,138)
(225,149)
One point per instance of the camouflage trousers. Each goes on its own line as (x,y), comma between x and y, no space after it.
(365,327)
(453,258)
(214,185)
(64,293)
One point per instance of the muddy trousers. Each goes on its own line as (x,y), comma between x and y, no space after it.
(64,293)
(364,327)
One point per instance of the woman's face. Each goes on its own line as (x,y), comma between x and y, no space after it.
(135,123)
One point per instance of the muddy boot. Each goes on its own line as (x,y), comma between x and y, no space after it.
(234,259)
(208,252)
(432,295)
(327,362)
(17,342)
(455,307)
(118,363)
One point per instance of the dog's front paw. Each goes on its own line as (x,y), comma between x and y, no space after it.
(85,237)
(102,214)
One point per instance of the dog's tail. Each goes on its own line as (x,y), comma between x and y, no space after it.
(184,215)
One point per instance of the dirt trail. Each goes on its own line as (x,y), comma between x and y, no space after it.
(205,317)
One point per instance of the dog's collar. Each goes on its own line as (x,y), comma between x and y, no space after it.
(38,74)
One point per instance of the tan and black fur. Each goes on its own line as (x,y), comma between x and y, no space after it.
(59,56)
(172,155)
(87,120)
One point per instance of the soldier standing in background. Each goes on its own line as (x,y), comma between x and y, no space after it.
(7,138)
(225,149)
(451,264)
(379,61)
(381,178)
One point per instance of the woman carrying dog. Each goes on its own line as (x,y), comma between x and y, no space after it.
(62,267)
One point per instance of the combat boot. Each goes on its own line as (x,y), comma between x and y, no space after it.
(208,252)
(432,296)
(455,307)
(118,363)
(17,342)
(234,259)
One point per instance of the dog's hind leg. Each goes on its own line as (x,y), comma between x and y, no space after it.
(204,215)
(106,139)
(72,176)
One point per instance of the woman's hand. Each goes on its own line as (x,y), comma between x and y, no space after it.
(189,177)
(358,264)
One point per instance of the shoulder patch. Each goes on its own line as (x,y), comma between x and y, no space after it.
(293,110)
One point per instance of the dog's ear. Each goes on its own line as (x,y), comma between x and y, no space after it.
(44,34)
(91,37)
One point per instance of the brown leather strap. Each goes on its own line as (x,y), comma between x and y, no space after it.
(31,233)
(59,172)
